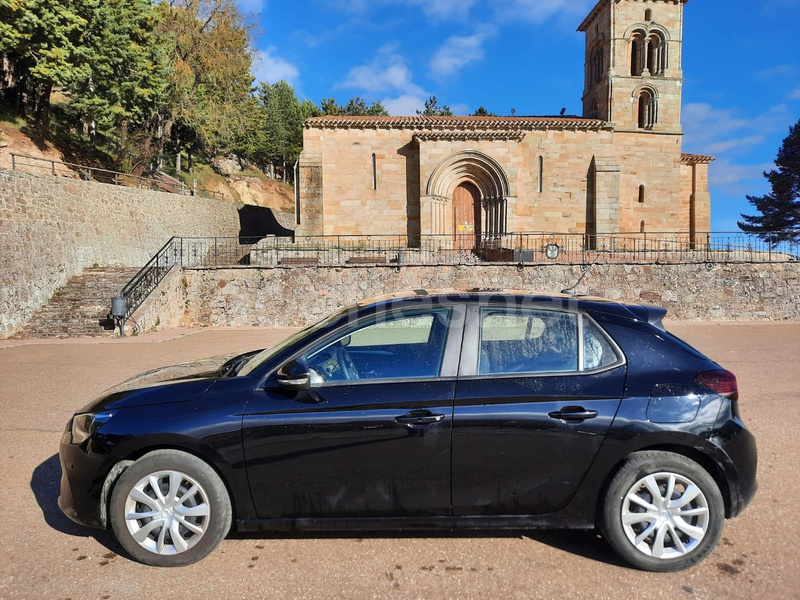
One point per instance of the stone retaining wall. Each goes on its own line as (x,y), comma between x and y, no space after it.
(52,227)
(284,297)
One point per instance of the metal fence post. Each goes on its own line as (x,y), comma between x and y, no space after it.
(13,162)
(770,247)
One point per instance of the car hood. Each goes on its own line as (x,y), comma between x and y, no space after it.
(175,383)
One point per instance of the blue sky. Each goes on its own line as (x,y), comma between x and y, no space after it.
(741,67)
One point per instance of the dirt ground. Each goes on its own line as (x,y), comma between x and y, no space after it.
(44,555)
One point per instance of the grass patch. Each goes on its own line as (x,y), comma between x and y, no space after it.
(9,115)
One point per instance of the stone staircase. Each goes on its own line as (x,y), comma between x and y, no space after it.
(76,308)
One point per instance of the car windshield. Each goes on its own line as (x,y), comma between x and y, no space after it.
(265,355)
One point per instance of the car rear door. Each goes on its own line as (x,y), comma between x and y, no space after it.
(537,392)
(371,438)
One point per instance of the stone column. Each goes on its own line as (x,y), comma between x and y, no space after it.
(607,175)
(432,216)
(310,185)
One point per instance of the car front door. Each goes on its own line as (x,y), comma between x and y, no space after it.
(371,438)
(538,393)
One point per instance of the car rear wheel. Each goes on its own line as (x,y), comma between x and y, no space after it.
(662,512)
(170,509)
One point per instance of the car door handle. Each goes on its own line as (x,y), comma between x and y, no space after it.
(573,413)
(422,417)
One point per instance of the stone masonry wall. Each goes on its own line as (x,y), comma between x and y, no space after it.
(51,228)
(280,297)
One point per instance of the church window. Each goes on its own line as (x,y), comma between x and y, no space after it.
(656,54)
(637,54)
(641,194)
(647,109)
(596,66)
(641,227)
(374,172)
(648,15)
(541,174)
(594,111)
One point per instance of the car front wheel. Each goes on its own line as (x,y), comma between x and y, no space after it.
(662,511)
(169,509)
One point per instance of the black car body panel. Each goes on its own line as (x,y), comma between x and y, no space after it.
(460,449)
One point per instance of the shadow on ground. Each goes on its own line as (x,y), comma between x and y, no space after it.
(588,544)
(46,486)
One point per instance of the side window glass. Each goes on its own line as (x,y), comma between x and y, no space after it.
(527,341)
(397,346)
(597,352)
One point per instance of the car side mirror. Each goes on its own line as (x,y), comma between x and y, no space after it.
(294,376)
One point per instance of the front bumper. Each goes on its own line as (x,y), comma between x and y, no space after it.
(83,478)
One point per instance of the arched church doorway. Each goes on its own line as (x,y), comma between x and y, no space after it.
(466,216)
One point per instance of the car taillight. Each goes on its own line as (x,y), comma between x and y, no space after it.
(720,382)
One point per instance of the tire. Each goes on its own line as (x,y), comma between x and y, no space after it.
(656,533)
(166,532)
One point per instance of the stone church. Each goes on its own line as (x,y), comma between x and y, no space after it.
(618,168)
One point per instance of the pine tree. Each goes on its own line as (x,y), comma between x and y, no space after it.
(432,109)
(356,107)
(482,112)
(780,209)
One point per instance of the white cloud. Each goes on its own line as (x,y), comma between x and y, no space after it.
(440,10)
(777,71)
(270,68)
(405,105)
(445,9)
(251,6)
(387,72)
(739,144)
(726,173)
(538,11)
(457,52)
(795,95)
(714,130)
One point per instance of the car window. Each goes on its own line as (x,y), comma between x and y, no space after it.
(411,330)
(397,346)
(527,341)
(597,351)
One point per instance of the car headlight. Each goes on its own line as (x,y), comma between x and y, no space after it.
(85,425)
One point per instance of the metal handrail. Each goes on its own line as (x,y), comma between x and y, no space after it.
(151,275)
(520,249)
(65,169)
(517,248)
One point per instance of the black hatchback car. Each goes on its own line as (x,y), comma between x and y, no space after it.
(451,410)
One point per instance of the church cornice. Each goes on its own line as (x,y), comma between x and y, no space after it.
(599,6)
(470,125)
(463,136)
(697,159)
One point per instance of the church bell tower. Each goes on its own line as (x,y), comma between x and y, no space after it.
(633,64)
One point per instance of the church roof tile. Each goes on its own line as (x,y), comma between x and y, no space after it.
(457,123)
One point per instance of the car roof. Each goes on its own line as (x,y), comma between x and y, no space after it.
(594,304)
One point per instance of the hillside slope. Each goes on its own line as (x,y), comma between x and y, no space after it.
(248,187)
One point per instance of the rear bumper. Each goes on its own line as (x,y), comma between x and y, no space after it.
(742,482)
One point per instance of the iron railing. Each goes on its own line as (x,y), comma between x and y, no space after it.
(518,248)
(398,251)
(32,164)
(147,279)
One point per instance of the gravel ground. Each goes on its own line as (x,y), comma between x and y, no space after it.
(44,555)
